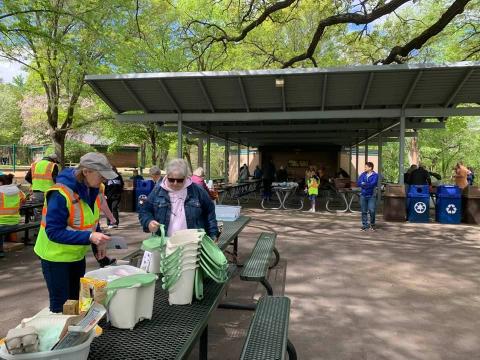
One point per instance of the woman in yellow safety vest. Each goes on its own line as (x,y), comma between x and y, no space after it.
(11,198)
(313,182)
(70,224)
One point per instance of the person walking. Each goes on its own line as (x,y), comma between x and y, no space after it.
(42,175)
(313,182)
(11,198)
(113,193)
(70,226)
(419,176)
(268,177)
(368,183)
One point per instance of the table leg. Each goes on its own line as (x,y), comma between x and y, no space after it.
(235,247)
(203,353)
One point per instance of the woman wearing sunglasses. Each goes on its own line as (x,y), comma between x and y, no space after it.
(178,203)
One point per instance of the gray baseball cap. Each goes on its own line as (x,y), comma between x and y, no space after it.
(98,162)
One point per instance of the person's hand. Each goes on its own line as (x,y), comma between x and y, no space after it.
(153,226)
(101,251)
(98,238)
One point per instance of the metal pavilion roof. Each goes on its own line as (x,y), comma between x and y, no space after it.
(340,106)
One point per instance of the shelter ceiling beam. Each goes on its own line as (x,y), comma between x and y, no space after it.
(244,94)
(367,90)
(169,96)
(205,95)
(302,115)
(135,96)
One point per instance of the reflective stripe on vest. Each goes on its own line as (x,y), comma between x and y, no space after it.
(10,208)
(42,177)
(81,218)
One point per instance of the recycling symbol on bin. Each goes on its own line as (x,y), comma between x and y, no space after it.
(451,209)
(420,207)
(141,199)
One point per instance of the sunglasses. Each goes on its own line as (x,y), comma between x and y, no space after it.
(172,180)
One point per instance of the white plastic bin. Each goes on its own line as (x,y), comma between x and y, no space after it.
(78,352)
(182,291)
(128,306)
(227,213)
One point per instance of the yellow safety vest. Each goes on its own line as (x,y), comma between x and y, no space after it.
(10,207)
(81,218)
(42,175)
(312,184)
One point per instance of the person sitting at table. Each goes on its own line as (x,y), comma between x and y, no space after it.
(11,198)
(178,204)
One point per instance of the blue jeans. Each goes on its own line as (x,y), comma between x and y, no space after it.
(368,205)
(63,281)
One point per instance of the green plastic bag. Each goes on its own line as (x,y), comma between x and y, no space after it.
(155,242)
(129,282)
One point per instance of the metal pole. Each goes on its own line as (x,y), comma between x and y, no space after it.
(238,160)
(350,162)
(402,150)
(366,149)
(208,157)
(179,138)
(200,152)
(226,160)
(248,156)
(14,157)
(356,162)
(380,169)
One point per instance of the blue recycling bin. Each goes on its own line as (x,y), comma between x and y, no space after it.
(142,189)
(448,208)
(418,203)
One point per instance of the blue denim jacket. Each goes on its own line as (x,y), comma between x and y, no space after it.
(199,209)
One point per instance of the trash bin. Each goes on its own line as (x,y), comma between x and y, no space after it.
(448,207)
(142,189)
(471,205)
(394,203)
(418,203)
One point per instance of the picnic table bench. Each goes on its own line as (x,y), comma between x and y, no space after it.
(267,337)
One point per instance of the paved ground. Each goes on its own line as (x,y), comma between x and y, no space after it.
(408,291)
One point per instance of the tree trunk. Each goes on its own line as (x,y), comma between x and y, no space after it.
(152,133)
(58,139)
(414,153)
(162,158)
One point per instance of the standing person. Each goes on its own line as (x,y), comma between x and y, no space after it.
(244,174)
(70,226)
(113,193)
(406,176)
(282,175)
(11,198)
(470,176)
(42,175)
(257,174)
(268,177)
(155,173)
(313,182)
(178,204)
(420,176)
(198,178)
(461,173)
(368,183)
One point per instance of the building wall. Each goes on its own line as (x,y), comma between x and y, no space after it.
(122,158)
(344,160)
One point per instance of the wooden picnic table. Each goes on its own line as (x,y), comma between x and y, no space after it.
(170,334)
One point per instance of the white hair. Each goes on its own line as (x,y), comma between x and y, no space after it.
(199,172)
(154,170)
(180,166)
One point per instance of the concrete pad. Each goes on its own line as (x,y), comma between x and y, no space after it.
(407,291)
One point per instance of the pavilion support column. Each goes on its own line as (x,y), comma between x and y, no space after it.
(200,152)
(357,148)
(380,169)
(350,162)
(401,154)
(179,137)
(366,149)
(238,160)
(207,164)
(226,160)
(248,156)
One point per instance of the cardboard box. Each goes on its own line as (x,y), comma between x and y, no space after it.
(70,307)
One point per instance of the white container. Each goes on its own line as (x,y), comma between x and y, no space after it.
(227,213)
(154,266)
(182,291)
(78,352)
(128,306)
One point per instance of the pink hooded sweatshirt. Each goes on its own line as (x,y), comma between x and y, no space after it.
(178,220)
